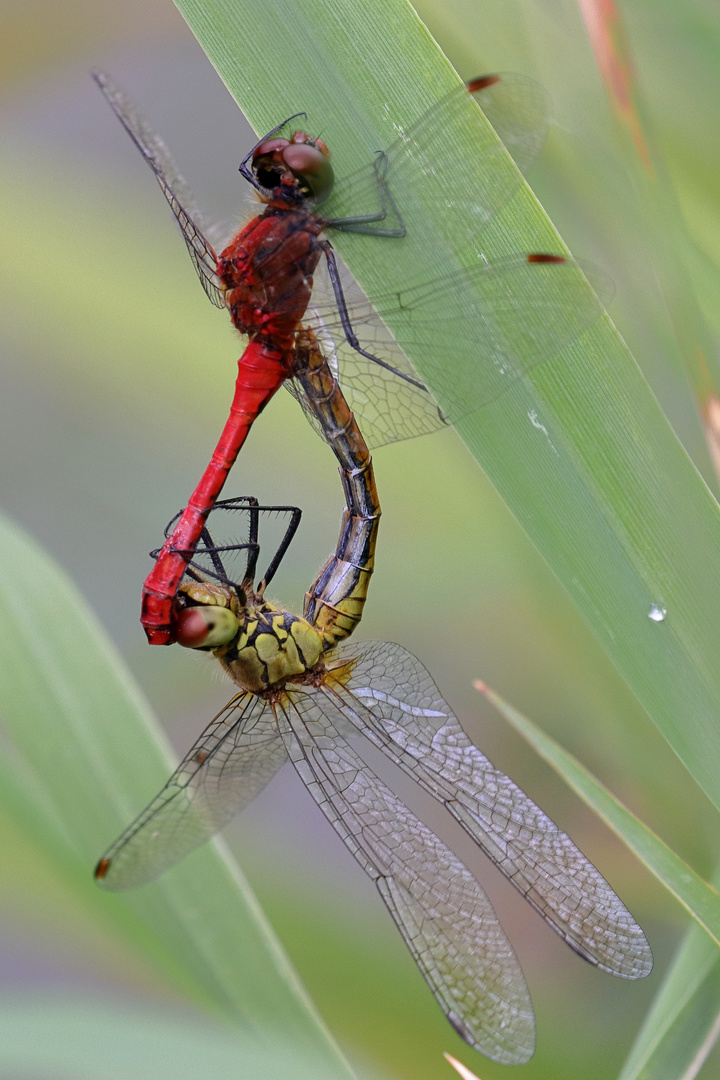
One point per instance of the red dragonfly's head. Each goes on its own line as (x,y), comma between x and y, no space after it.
(293,169)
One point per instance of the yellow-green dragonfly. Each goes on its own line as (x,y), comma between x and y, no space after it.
(302,689)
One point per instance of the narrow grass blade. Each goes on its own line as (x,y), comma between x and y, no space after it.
(92,757)
(697,896)
(684,1022)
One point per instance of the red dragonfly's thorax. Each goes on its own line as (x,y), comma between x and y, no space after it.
(267,270)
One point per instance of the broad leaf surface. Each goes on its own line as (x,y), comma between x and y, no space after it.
(579,450)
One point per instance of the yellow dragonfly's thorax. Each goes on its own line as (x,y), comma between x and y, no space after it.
(268,646)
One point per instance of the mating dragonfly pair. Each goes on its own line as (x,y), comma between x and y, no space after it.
(302,688)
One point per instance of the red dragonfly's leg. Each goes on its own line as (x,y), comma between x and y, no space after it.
(261,371)
(344,314)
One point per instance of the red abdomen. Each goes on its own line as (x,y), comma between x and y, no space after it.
(261,371)
(267,271)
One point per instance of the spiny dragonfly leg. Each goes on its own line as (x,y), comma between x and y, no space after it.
(347,325)
(254,509)
(296,514)
(253,538)
(214,554)
(207,547)
(362,223)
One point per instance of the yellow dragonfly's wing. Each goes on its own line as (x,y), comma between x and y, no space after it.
(231,762)
(443,915)
(391,698)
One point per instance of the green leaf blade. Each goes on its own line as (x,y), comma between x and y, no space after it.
(71,1033)
(580,450)
(684,1022)
(86,736)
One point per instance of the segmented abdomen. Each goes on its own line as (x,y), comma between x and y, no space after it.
(335,601)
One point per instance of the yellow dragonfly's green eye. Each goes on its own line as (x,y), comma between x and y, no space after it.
(206,627)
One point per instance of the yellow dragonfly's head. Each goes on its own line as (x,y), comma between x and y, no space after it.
(208,615)
(259,645)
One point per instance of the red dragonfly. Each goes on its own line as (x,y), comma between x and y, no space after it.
(532,305)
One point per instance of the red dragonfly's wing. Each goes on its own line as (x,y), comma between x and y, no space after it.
(518,109)
(483,322)
(391,698)
(172,185)
(470,350)
(232,761)
(443,915)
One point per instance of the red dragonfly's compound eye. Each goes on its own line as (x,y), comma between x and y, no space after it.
(269,147)
(267,163)
(303,137)
(305,160)
(309,163)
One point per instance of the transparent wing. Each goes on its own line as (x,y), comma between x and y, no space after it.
(470,333)
(444,917)
(471,350)
(388,406)
(519,111)
(392,699)
(173,187)
(232,761)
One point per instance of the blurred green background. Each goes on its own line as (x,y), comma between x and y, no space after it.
(116,374)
